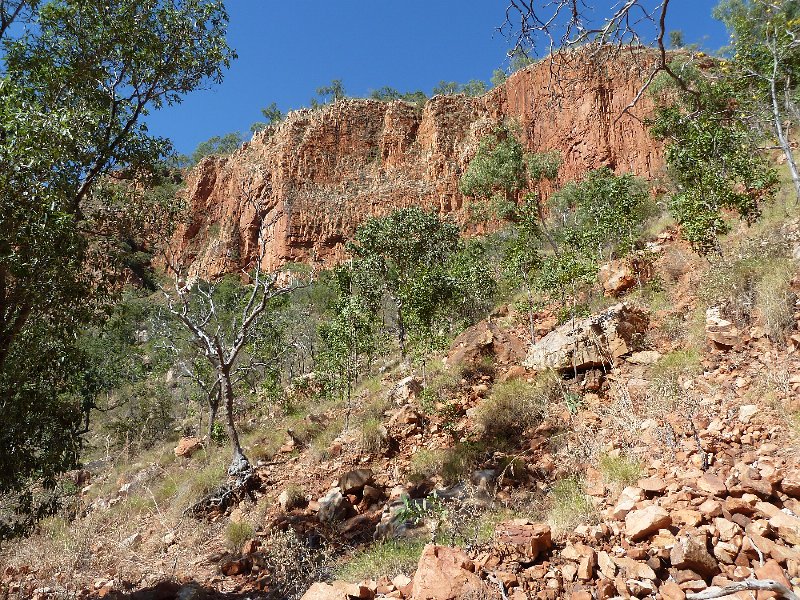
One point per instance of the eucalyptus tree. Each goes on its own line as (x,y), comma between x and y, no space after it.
(764,65)
(77,79)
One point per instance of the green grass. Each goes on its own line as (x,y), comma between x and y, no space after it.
(570,506)
(390,558)
(236,534)
(620,471)
(516,405)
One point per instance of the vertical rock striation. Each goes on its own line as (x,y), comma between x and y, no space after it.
(312,179)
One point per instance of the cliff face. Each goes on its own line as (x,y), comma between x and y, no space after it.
(312,179)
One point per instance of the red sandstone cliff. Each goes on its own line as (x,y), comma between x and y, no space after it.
(318,174)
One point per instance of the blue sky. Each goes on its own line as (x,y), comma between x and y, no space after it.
(287,49)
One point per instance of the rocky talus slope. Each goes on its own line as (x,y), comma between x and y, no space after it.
(714,497)
(312,179)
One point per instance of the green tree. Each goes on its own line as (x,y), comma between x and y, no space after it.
(676,39)
(498,167)
(74,91)
(474,87)
(387,94)
(712,156)
(349,337)
(272,115)
(218,145)
(765,65)
(329,93)
(401,256)
(446,88)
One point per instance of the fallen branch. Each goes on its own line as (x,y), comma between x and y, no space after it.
(769,585)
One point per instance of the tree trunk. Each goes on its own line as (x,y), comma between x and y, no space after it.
(531,318)
(401,330)
(239,462)
(213,409)
(782,139)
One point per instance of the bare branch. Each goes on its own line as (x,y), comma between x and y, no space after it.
(769,585)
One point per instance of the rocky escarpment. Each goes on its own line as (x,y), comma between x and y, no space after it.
(312,179)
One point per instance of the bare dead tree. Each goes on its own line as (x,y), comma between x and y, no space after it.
(221,338)
(560,27)
(770,585)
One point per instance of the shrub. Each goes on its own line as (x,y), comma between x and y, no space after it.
(236,534)
(459,461)
(291,565)
(425,464)
(383,559)
(665,377)
(570,505)
(775,301)
(322,441)
(373,435)
(516,405)
(752,281)
(620,471)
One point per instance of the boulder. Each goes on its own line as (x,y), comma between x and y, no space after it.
(188,446)
(486,339)
(332,506)
(790,485)
(444,574)
(691,552)
(522,541)
(712,484)
(721,332)
(641,523)
(323,591)
(596,341)
(353,482)
(787,527)
(405,389)
(616,277)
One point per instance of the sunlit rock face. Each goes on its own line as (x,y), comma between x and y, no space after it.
(312,179)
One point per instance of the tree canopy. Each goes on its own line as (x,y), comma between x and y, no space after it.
(77,79)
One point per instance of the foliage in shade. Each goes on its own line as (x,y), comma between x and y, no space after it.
(712,159)
(68,120)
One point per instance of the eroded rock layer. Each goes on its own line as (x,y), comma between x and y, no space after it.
(312,179)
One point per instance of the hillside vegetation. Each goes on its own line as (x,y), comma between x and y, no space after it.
(588,388)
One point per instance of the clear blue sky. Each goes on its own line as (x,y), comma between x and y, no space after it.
(287,49)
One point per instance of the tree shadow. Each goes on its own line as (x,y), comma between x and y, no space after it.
(170,590)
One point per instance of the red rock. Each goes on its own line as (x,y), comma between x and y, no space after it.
(522,541)
(771,570)
(235,567)
(324,161)
(787,527)
(633,569)
(354,590)
(486,339)
(759,487)
(323,591)
(641,523)
(691,552)
(653,485)
(790,485)
(712,484)
(250,547)
(606,589)
(443,574)
(616,277)
(188,446)
(671,591)
(710,508)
